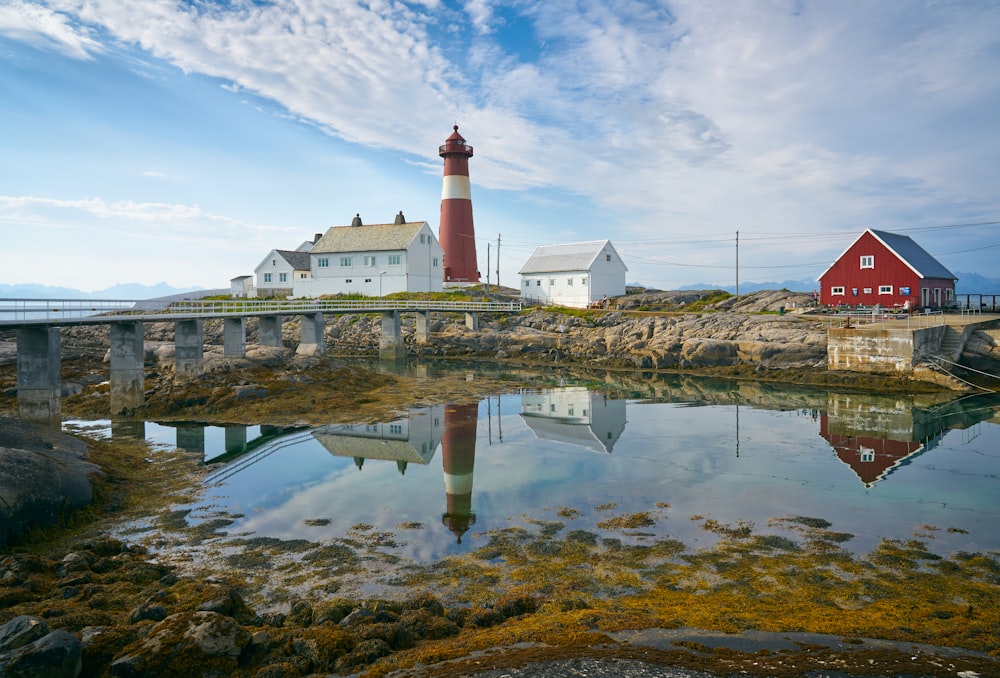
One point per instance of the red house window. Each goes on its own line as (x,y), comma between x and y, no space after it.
(868,261)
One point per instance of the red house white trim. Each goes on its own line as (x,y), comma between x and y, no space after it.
(887,269)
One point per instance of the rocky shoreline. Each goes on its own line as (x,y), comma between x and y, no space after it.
(75,602)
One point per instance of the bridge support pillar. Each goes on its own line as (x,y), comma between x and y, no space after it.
(311,335)
(422,328)
(191,437)
(38,368)
(189,347)
(390,344)
(269,330)
(234,337)
(472,321)
(127,379)
(236,439)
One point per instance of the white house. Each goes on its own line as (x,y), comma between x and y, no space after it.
(574,274)
(374,260)
(277,273)
(574,415)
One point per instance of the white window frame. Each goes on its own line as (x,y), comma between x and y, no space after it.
(435,264)
(345,262)
(885,289)
(267,277)
(867,261)
(569,282)
(395,260)
(323,262)
(282,277)
(867,290)
(370,260)
(837,291)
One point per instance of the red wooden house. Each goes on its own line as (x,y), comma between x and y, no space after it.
(887,269)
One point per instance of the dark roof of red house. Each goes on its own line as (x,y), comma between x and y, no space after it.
(909,252)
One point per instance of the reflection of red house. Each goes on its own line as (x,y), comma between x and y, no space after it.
(870,457)
(887,269)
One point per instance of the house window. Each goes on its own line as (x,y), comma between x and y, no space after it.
(552,281)
(303,276)
(552,407)
(369,261)
(854,291)
(538,283)
(322,262)
(435,260)
(885,289)
(345,261)
(868,290)
(527,283)
(348,280)
(267,277)
(396,429)
(282,277)
(867,454)
(423,238)
(868,261)
(394,259)
(837,290)
(583,281)
(569,282)
(949,294)
(368,280)
(607,257)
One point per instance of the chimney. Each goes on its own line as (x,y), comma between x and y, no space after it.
(357,220)
(400,219)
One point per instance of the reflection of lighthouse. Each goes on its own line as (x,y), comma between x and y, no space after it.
(458,454)
(456,233)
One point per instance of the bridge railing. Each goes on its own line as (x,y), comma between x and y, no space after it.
(61,309)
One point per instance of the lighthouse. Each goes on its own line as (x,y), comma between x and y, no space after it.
(457,234)
(458,455)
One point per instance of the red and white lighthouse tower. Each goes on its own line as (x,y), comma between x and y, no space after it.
(456,233)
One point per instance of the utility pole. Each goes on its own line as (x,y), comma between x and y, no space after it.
(487,267)
(498,261)
(737,263)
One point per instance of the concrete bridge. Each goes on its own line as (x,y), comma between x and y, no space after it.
(37,323)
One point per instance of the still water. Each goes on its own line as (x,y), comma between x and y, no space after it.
(440,477)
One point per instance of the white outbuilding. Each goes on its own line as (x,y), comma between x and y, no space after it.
(277,273)
(374,260)
(573,274)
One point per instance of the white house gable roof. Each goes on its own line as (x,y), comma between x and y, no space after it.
(298,261)
(908,251)
(576,256)
(367,238)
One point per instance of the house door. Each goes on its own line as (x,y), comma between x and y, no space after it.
(925,297)
(937,296)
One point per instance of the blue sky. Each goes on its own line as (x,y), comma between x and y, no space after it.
(178,142)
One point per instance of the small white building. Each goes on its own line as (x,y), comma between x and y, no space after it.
(241,286)
(277,273)
(574,274)
(374,260)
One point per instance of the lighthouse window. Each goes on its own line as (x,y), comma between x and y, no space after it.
(394,259)
(345,261)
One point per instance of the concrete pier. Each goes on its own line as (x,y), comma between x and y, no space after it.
(234,337)
(422,327)
(191,437)
(472,321)
(189,347)
(236,438)
(312,340)
(38,368)
(127,379)
(390,344)
(269,330)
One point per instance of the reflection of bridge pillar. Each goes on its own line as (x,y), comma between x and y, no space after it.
(128,429)
(458,455)
(189,347)
(234,337)
(236,438)
(472,321)
(269,330)
(422,327)
(311,331)
(390,344)
(191,437)
(38,384)
(127,379)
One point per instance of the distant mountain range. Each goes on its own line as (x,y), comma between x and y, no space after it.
(968,283)
(129,291)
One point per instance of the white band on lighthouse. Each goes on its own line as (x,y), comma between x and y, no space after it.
(458,484)
(456,186)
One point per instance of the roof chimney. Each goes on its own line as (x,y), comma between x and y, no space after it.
(357,220)
(400,219)
(316,239)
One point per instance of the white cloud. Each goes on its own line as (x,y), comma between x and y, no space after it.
(45,29)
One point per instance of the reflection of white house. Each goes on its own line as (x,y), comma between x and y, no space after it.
(575,416)
(574,274)
(279,270)
(374,260)
(410,439)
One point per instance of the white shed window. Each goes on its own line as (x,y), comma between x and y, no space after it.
(837,290)
(885,289)
(345,261)
(868,261)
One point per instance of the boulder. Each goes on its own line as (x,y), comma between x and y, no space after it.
(54,655)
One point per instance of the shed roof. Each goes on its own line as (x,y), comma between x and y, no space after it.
(909,252)
(574,256)
(367,238)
